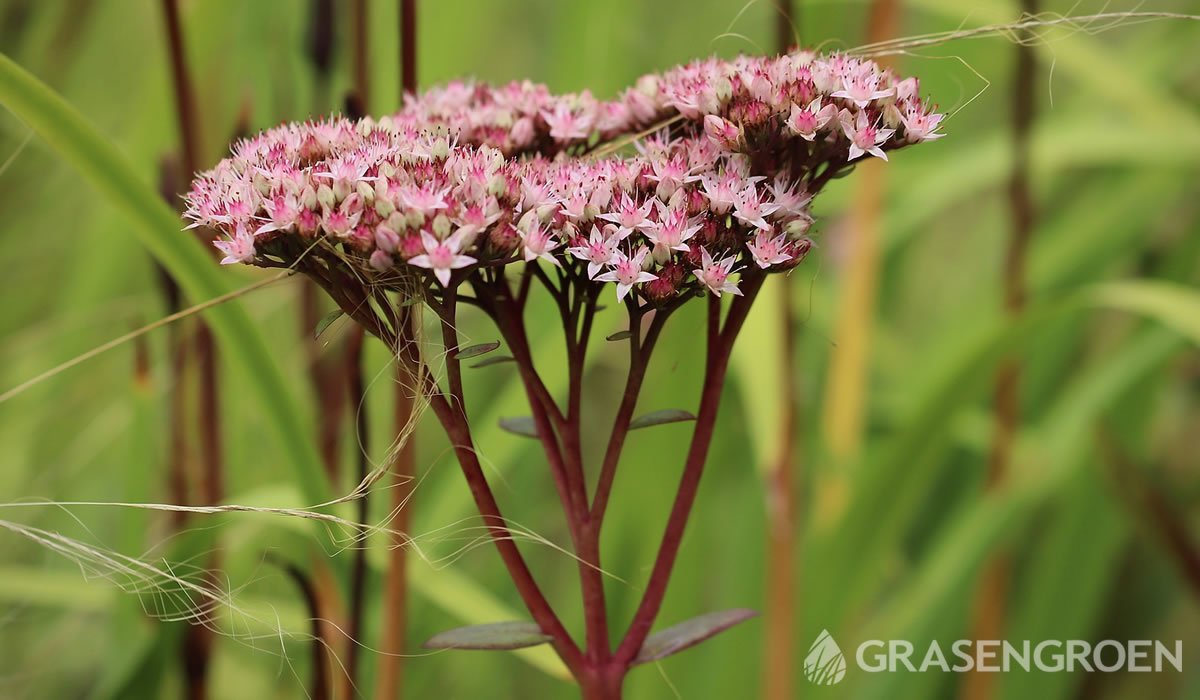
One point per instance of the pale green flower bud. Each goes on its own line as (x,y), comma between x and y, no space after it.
(326,196)
(441,226)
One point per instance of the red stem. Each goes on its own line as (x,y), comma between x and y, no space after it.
(639,360)
(454,421)
(720,343)
(408,47)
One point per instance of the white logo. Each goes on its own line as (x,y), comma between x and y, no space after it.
(824,664)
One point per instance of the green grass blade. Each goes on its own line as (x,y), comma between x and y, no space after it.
(157,228)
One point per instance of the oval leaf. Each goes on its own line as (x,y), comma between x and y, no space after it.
(494,360)
(501,636)
(620,335)
(667,415)
(476,350)
(519,425)
(687,634)
(326,322)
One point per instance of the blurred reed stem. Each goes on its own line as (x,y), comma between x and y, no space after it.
(781,484)
(393,643)
(352,360)
(991,599)
(209,488)
(849,362)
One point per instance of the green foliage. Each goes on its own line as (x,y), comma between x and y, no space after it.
(891,542)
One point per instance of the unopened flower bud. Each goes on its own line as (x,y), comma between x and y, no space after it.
(440,148)
(723,89)
(326,197)
(386,239)
(797,227)
(307,222)
(410,246)
(497,186)
(381,260)
(308,198)
(527,222)
(367,192)
(503,239)
(441,226)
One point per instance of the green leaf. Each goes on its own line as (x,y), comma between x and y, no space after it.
(1173,305)
(476,350)
(519,425)
(620,335)
(688,634)
(496,636)
(158,229)
(494,360)
(326,322)
(667,415)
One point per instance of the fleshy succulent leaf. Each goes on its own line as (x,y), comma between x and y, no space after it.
(666,415)
(495,636)
(519,425)
(689,633)
(476,350)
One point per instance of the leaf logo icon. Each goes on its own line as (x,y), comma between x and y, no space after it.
(824,664)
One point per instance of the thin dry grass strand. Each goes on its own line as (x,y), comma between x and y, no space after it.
(1087,24)
(16,152)
(121,340)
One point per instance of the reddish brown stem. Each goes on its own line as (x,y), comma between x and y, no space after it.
(358,570)
(392,645)
(185,97)
(408,47)
(992,597)
(639,359)
(506,314)
(362,68)
(319,688)
(450,413)
(1150,506)
(720,343)
(198,640)
(485,502)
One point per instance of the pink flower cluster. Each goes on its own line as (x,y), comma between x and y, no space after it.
(467,176)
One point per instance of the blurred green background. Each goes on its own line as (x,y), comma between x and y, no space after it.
(1097,520)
